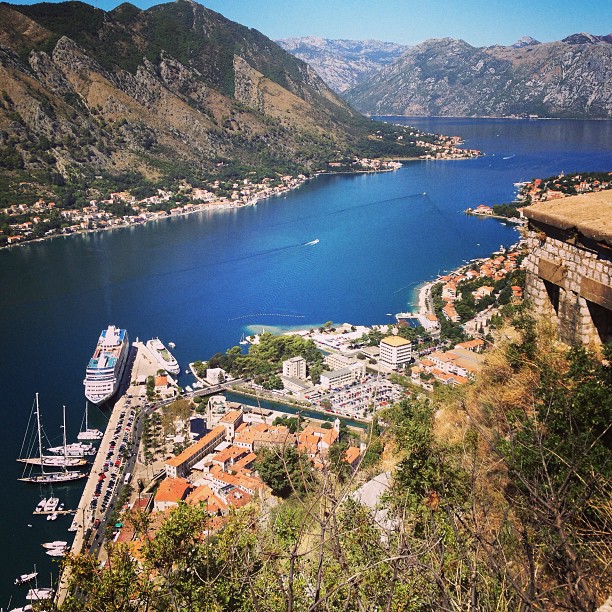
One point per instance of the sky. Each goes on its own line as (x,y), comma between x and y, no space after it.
(478,22)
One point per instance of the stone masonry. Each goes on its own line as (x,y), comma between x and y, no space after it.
(569,267)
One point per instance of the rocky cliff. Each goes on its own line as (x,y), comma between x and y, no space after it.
(343,64)
(448,77)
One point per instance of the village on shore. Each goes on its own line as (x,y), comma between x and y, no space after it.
(544,190)
(47,218)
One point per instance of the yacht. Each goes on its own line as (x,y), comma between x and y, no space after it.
(38,594)
(105,367)
(87,433)
(51,504)
(163,356)
(55,544)
(76,449)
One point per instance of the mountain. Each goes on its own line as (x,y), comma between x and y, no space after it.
(342,64)
(525,41)
(448,77)
(89,97)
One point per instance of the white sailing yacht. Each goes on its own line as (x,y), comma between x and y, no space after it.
(89,434)
(48,477)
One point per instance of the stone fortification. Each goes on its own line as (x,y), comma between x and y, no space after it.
(569,268)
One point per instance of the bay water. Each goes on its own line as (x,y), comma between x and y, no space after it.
(203,280)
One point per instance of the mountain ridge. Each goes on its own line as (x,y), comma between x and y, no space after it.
(343,63)
(449,77)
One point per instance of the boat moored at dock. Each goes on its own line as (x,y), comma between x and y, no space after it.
(163,356)
(105,368)
(47,477)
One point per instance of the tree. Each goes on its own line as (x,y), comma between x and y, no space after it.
(284,470)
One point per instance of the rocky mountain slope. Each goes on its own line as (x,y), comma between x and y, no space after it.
(176,91)
(448,77)
(342,64)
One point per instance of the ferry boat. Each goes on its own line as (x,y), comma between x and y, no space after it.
(163,356)
(105,368)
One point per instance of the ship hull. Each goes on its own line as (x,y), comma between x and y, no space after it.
(107,365)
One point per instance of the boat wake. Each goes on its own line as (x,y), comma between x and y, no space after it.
(268,314)
(509,156)
(315,241)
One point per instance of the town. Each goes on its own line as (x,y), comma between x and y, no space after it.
(544,190)
(20,223)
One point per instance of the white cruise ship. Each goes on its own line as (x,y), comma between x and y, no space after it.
(163,356)
(105,368)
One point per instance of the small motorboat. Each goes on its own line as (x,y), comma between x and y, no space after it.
(25,578)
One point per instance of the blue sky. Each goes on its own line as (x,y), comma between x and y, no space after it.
(479,22)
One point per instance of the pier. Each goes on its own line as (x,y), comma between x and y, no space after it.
(89,523)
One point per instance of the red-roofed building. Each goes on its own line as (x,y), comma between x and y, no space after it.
(352,456)
(170,492)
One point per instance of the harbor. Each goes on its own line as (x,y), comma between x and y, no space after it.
(91,516)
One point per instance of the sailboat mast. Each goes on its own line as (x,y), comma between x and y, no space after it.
(86,425)
(64,427)
(40,452)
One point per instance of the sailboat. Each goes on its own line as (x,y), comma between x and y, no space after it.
(243,340)
(76,449)
(49,477)
(62,461)
(89,434)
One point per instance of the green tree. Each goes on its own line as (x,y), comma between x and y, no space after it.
(285,470)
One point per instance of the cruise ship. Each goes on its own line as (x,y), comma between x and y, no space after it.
(105,368)
(163,356)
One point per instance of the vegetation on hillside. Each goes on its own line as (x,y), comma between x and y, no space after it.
(500,500)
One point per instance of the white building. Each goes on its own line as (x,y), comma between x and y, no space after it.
(215,376)
(295,368)
(395,351)
(340,377)
(336,362)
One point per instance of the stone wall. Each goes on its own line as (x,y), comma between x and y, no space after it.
(569,280)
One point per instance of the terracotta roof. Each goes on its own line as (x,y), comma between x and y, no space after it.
(172,490)
(231,417)
(190,451)
(351,454)
(589,213)
(471,344)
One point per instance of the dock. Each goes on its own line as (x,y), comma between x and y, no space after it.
(85,516)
